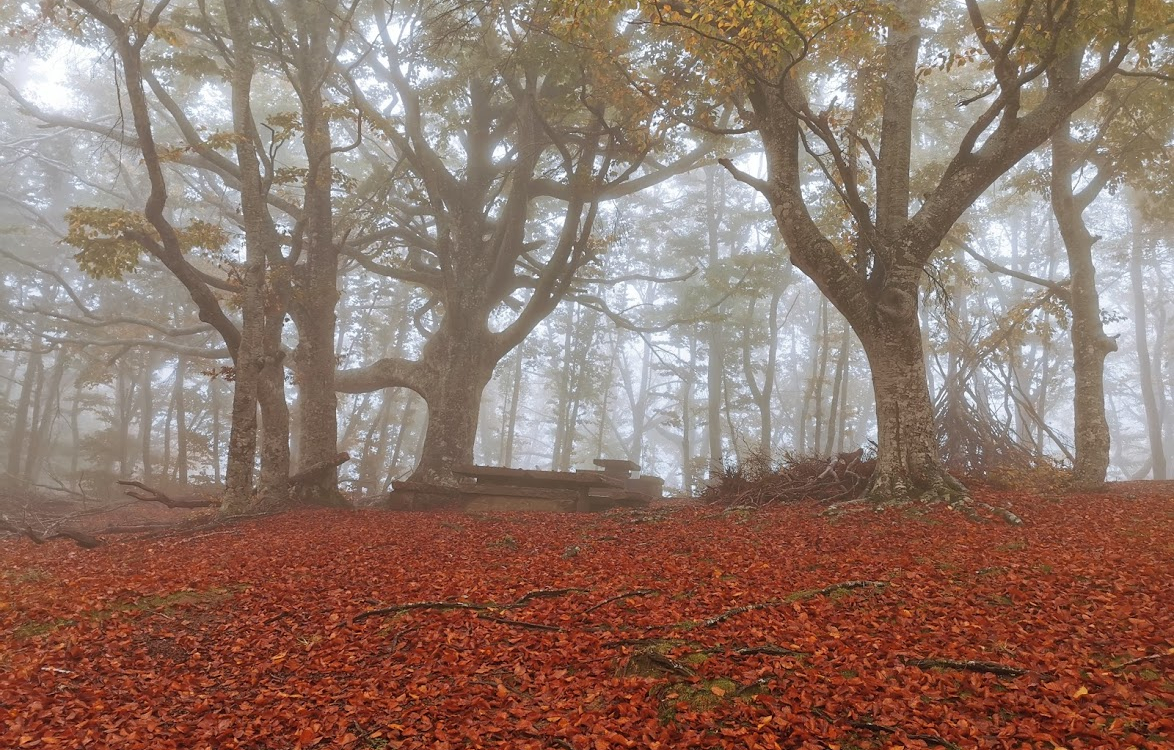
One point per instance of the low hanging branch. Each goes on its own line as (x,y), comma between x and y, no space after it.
(152,495)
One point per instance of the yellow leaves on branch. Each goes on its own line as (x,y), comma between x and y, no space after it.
(109,240)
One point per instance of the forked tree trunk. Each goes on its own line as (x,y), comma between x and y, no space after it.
(1090,345)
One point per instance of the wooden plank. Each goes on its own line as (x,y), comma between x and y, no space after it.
(498,475)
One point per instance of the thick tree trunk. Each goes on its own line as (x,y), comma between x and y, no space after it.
(454,404)
(907,443)
(315,359)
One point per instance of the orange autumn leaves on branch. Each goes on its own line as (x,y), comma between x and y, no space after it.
(110,240)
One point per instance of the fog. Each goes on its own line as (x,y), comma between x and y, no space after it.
(531,257)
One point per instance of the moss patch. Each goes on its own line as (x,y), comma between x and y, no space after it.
(36,629)
(700,697)
(164,603)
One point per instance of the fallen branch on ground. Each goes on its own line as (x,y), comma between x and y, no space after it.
(155,496)
(1144,659)
(988,667)
(1003,513)
(80,537)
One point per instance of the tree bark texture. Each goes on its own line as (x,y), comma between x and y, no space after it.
(1090,345)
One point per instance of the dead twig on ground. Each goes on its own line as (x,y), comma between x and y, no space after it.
(1144,659)
(988,667)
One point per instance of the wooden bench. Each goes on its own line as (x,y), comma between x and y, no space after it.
(500,487)
(497,488)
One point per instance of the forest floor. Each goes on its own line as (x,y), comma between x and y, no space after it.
(674,627)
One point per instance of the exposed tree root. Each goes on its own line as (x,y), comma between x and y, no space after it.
(477,606)
(988,667)
(797,596)
(618,597)
(522,624)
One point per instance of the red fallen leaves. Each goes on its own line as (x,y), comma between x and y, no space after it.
(248,638)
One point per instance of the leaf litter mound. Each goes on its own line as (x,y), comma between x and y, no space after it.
(663,628)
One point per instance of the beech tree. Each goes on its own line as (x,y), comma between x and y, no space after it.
(506,143)
(290,260)
(784,65)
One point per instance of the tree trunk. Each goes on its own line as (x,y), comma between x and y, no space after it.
(315,358)
(454,404)
(821,371)
(510,428)
(559,460)
(1090,345)
(715,370)
(41,438)
(124,405)
(19,435)
(689,377)
(907,444)
(835,436)
(181,424)
(1145,364)
(214,397)
(146,414)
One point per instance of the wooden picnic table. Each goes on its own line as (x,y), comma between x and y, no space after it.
(498,479)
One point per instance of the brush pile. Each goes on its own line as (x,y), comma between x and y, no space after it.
(759,481)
